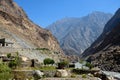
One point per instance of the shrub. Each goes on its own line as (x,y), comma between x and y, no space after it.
(42,49)
(89,65)
(12,64)
(52,62)
(84,76)
(9,55)
(6,76)
(62,64)
(73,76)
(4,68)
(81,61)
(48,61)
(16,62)
(5,72)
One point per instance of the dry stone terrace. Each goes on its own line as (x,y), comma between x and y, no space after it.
(34,54)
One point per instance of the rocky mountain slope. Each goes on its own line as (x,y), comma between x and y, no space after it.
(77,34)
(18,29)
(105,51)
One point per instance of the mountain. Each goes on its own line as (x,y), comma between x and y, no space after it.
(77,34)
(105,51)
(16,27)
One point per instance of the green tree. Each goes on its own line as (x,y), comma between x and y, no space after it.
(48,61)
(52,62)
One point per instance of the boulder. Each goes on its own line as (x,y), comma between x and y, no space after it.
(111,78)
(61,73)
(38,74)
(104,75)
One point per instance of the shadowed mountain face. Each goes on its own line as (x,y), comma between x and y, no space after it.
(105,51)
(77,34)
(17,28)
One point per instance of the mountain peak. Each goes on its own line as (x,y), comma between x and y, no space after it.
(99,13)
(76,34)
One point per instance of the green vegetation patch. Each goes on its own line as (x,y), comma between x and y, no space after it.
(42,49)
(73,76)
(5,72)
(48,61)
(89,65)
(84,76)
(63,64)
(16,62)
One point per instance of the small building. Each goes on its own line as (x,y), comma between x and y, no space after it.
(5,43)
(80,66)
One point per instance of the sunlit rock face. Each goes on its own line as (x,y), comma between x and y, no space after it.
(19,29)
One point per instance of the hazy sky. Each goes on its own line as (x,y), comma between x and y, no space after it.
(45,12)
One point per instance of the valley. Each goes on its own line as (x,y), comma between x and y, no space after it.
(83,48)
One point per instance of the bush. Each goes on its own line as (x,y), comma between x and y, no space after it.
(81,61)
(42,49)
(12,64)
(16,62)
(5,72)
(84,76)
(89,65)
(8,55)
(48,61)
(4,68)
(73,76)
(63,64)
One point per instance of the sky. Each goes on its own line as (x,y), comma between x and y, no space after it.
(45,12)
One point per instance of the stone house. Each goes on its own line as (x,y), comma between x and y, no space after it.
(5,43)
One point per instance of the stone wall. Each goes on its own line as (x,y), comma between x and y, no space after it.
(23,74)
